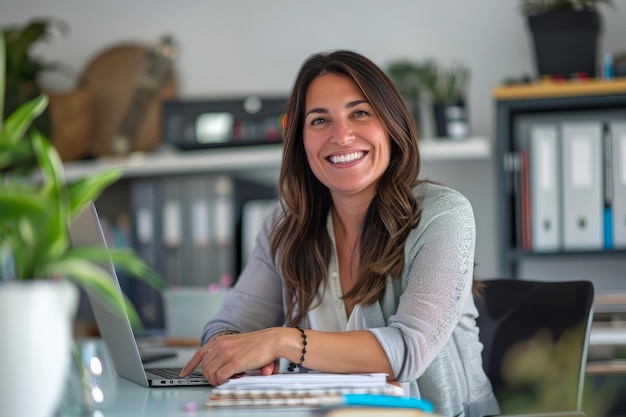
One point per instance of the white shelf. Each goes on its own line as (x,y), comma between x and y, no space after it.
(444,149)
(168,161)
(249,159)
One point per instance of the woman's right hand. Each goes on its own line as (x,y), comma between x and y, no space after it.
(229,355)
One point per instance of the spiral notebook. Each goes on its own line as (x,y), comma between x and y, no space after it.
(300,389)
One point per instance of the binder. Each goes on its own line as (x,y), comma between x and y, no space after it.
(198,233)
(583,199)
(223,223)
(524,180)
(172,226)
(607,188)
(618,162)
(253,202)
(544,188)
(253,214)
(146,198)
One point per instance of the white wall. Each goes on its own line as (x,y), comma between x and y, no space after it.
(256,46)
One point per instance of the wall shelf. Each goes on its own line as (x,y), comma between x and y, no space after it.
(168,161)
(248,159)
(444,149)
(556,89)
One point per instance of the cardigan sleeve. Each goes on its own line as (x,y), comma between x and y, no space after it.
(256,300)
(436,284)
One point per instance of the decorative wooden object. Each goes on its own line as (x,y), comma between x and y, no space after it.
(129,84)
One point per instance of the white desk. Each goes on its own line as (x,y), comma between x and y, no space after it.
(132,400)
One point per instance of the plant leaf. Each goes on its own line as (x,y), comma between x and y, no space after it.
(53,234)
(17,204)
(20,42)
(96,282)
(123,258)
(90,187)
(2,77)
(128,261)
(16,125)
(18,156)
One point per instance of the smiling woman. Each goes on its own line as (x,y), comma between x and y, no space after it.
(399,286)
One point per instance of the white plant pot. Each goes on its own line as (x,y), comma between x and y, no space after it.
(35,324)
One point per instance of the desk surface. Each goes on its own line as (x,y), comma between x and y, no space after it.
(134,400)
(127,399)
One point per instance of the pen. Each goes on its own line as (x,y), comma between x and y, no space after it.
(388,401)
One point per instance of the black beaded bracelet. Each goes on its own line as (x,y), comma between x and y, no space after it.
(293,366)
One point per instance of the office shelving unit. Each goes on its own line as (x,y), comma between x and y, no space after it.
(514,101)
(608,333)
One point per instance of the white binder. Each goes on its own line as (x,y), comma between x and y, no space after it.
(173,232)
(253,214)
(583,198)
(618,134)
(545,188)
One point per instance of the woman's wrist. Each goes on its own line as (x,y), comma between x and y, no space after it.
(222,333)
(287,343)
(295,365)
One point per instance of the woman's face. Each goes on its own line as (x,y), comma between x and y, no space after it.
(345,141)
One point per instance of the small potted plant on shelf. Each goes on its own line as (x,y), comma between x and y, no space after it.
(39,269)
(447,87)
(565,35)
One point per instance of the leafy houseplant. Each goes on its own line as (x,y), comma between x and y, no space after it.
(447,87)
(565,35)
(445,84)
(22,70)
(37,205)
(36,212)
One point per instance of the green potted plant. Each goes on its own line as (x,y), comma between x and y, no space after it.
(37,305)
(447,87)
(68,118)
(22,70)
(565,35)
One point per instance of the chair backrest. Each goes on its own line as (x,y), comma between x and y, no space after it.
(535,336)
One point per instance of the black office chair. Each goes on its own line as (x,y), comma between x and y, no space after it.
(535,336)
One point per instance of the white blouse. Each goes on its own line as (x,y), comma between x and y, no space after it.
(330,314)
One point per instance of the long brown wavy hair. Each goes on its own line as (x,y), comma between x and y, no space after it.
(300,238)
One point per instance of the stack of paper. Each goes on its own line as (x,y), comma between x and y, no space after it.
(299,389)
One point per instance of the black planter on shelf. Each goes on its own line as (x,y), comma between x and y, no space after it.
(450,119)
(566,42)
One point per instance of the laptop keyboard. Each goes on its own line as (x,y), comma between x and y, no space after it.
(173,373)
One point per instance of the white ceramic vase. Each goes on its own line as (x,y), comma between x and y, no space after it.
(35,347)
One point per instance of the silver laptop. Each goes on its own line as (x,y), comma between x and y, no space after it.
(115,327)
